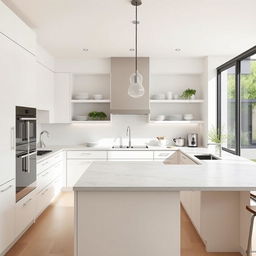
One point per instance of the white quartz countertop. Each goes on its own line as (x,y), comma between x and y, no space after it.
(231,173)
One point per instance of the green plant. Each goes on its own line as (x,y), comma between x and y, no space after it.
(188,93)
(97,115)
(215,136)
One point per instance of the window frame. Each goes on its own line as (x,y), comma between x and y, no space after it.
(237,63)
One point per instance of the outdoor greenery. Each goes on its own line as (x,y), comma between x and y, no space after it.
(215,136)
(248,84)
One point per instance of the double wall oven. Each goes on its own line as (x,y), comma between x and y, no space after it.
(25,151)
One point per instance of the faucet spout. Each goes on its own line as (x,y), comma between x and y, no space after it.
(128,133)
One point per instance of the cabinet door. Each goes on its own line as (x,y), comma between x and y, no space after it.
(25,212)
(8,83)
(7,214)
(62,106)
(75,169)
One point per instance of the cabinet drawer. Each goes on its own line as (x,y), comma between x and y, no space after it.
(7,215)
(163,154)
(47,163)
(136,155)
(87,155)
(25,210)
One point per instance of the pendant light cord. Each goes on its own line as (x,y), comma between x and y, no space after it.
(136,42)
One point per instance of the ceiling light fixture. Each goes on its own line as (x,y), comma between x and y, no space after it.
(136,89)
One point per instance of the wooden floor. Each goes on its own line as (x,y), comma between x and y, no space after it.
(52,234)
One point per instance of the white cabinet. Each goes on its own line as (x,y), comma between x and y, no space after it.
(7,214)
(62,98)
(130,155)
(8,83)
(25,211)
(97,155)
(75,169)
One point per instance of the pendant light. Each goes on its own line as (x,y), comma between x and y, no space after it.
(136,89)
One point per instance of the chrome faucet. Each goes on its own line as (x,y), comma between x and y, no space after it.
(128,133)
(41,142)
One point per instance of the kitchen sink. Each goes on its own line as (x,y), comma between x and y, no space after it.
(207,157)
(43,152)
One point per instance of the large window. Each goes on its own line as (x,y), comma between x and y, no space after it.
(237,104)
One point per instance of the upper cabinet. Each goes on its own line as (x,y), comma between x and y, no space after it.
(121,102)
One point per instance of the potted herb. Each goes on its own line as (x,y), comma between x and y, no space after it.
(97,115)
(217,138)
(188,94)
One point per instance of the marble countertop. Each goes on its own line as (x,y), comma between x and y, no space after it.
(231,173)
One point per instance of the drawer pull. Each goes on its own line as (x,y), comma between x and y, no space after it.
(45,191)
(45,163)
(27,202)
(5,189)
(45,174)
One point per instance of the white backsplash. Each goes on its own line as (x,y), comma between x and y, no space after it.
(74,134)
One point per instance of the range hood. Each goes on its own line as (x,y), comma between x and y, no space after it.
(121,102)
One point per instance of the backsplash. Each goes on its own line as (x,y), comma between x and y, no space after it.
(73,134)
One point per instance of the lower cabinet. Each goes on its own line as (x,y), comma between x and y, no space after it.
(25,212)
(7,215)
(75,169)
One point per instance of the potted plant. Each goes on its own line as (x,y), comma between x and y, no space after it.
(217,138)
(97,115)
(188,94)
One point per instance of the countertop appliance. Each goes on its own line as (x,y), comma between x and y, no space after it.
(25,151)
(179,142)
(193,140)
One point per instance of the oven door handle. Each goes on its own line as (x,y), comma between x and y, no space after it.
(27,118)
(27,155)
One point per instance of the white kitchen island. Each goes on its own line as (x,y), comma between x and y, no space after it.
(133,208)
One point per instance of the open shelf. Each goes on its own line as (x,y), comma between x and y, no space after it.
(91,101)
(92,122)
(177,122)
(176,101)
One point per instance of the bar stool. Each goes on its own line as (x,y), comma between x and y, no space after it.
(251,209)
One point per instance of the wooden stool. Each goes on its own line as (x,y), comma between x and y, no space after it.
(251,209)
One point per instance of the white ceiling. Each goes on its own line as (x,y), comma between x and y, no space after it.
(198,27)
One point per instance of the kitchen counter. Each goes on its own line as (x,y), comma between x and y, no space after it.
(231,173)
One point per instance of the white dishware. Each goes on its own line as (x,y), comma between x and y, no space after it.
(159,96)
(169,95)
(188,117)
(91,144)
(98,96)
(160,118)
(81,96)
(80,118)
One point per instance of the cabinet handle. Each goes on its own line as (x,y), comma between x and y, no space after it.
(5,189)
(27,202)
(45,191)
(45,174)
(12,138)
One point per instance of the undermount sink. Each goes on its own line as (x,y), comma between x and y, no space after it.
(43,152)
(207,157)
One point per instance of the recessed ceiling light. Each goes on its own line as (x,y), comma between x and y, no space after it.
(85,50)
(177,49)
(131,49)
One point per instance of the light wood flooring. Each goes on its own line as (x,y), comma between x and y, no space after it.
(52,234)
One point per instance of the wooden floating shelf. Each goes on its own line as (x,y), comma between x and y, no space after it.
(90,101)
(177,122)
(176,101)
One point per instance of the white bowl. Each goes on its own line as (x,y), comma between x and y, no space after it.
(98,96)
(91,144)
(81,118)
(81,96)
(160,118)
(188,117)
(174,117)
(159,96)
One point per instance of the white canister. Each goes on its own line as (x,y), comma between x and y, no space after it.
(169,95)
